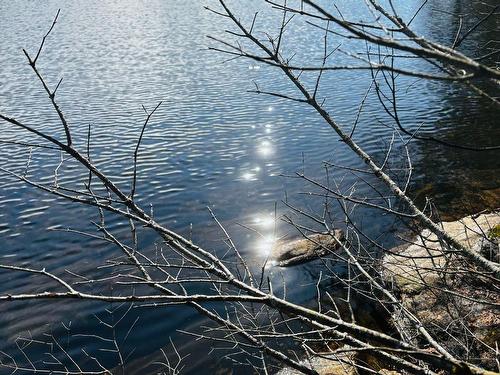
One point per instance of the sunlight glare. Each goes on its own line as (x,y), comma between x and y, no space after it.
(265,148)
(265,244)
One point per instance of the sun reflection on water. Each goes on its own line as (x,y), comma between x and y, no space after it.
(264,221)
(249,176)
(265,148)
(265,244)
(265,224)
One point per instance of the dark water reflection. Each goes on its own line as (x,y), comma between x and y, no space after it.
(210,144)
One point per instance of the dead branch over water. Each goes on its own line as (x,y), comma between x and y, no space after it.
(253,318)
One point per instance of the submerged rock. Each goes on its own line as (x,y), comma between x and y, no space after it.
(291,253)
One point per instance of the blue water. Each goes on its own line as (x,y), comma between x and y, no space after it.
(211,143)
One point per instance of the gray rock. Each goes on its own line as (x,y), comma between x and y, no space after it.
(420,263)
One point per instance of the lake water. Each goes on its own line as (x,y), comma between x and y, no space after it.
(211,143)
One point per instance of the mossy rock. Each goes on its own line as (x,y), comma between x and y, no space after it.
(408,285)
(494,232)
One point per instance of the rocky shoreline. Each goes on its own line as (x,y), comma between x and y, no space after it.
(418,272)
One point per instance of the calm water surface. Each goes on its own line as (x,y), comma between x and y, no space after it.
(210,144)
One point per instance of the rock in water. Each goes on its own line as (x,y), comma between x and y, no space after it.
(291,253)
